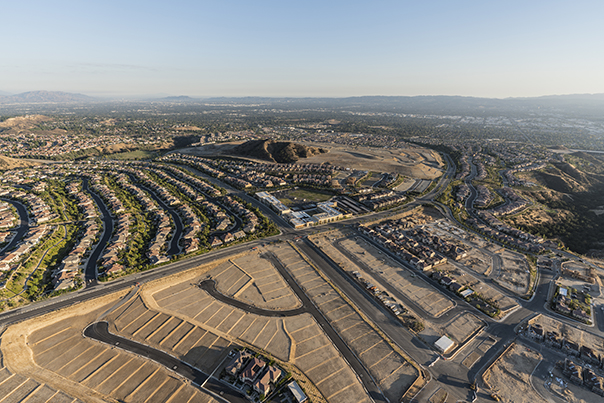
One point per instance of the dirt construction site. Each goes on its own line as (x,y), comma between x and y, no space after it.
(354,254)
(509,377)
(415,162)
(50,357)
(343,248)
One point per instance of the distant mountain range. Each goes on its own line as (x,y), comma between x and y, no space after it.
(579,105)
(34,97)
(179,98)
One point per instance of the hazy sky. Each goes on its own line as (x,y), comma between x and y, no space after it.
(303,48)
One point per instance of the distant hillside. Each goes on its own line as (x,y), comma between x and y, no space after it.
(7,163)
(23,122)
(179,98)
(34,97)
(276,151)
(583,105)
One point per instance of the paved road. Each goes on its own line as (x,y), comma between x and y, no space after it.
(457,385)
(382,317)
(23,225)
(450,374)
(357,366)
(90,272)
(210,287)
(100,331)
(395,291)
(42,307)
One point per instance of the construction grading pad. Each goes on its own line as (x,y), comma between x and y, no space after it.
(510,376)
(90,371)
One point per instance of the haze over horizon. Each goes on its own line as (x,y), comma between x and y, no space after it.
(275,49)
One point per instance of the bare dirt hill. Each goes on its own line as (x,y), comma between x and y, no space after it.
(7,163)
(24,122)
(276,151)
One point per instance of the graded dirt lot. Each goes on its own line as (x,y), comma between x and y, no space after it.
(509,378)
(482,343)
(387,365)
(514,272)
(53,353)
(416,162)
(254,280)
(459,329)
(297,340)
(190,343)
(429,299)
(15,387)
(50,355)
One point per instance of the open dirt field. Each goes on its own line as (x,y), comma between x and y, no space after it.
(298,340)
(482,343)
(18,388)
(254,280)
(405,185)
(459,329)
(194,345)
(429,299)
(574,265)
(478,262)
(416,162)
(510,376)
(514,272)
(56,356)
(388,367)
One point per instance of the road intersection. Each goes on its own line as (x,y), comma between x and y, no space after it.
(437,372)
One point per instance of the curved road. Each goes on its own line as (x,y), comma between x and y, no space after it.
(210,287)
(100,331)
(23,225)
(90,273)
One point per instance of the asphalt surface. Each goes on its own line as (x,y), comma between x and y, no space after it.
(100,331)
(210,287)
(23,224)
(42,307)
(451,375)
(395,291)
(90,272)
(357,366)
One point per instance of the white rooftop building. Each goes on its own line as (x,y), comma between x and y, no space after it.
(444,344)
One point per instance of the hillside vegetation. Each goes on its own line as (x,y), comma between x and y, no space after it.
(571,197)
